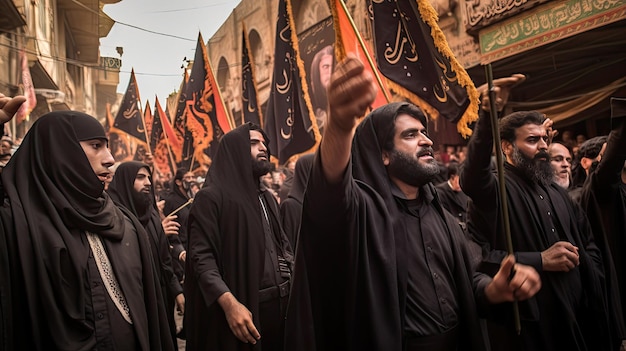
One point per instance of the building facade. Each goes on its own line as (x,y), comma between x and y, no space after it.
(61,40)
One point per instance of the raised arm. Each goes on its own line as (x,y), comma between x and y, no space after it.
(350,94)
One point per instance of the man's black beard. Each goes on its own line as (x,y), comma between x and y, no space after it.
(539,171)
(409,170)
(260,167)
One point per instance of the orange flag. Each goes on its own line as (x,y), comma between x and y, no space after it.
(348,40)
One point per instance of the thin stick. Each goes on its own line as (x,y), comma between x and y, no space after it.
(181,207)
(501,180)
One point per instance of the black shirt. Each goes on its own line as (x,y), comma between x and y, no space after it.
(431,305)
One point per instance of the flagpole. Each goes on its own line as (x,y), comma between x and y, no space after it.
(493,113)
(145,132)
(367,54)
(193,159)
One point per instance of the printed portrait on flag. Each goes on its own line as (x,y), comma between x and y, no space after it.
(316,51)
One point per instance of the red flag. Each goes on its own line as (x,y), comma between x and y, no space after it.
(250,109)
(412,52)
(129,117)
(29,90)
(289,121)
(348,40)
(159,143)
(170,134)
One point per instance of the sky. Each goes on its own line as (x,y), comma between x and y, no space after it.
(157,58)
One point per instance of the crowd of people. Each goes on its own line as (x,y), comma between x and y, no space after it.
(374,242)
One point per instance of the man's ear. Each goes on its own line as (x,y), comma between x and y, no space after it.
(507,148)
(586,162)
(385,155)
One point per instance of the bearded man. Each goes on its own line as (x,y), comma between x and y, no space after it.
(131,188)
(239,258)
(380,265)
(547,232)
(561,161)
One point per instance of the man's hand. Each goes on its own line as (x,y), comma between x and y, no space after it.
(560,257)
(547,124)
(502,88)
(350,94)
(239,319)
(523,284)
(180,302)
(9,106)
(170,226)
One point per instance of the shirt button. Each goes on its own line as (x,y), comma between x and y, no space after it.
(549,214)
(436,275)
(100,315)
(444,301)
(541,197)
(553,230)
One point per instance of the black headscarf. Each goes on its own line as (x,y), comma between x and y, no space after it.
(122,191)
(54,197)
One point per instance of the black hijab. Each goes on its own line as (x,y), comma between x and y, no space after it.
(123,192)
(54,197)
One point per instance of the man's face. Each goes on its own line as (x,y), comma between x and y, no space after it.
(258,152)
(99,157)
(529,152)
(142,181)
(561,162)
(188,179)
(326,70)
(411,162)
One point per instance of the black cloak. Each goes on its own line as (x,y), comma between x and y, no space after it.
(291,207)
(54,197)
(226,245)
(349,287)
(123,194)
(549,321)
(605,205)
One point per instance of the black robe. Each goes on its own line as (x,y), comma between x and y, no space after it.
(350,283)
(123,194)
(226,246)
(604,201)
(54,196)
(454,201)
(174,200)
(291,207)
(550,320)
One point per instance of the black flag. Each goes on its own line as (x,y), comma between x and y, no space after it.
(129,116)
(412,52)
(289,119)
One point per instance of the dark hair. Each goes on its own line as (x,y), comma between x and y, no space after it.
(510,123)
(180,174)
(410,110)
(591,148)
(454,168)
(256,127)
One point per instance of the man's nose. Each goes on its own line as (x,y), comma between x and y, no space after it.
(108,160)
